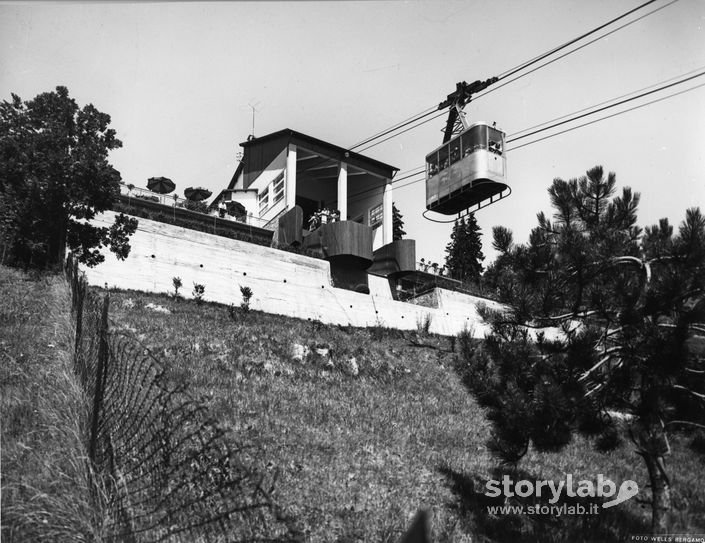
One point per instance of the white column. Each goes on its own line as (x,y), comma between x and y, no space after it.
(343,191)
(290,189)
(387,203)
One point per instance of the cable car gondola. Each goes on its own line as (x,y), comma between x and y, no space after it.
(470,170)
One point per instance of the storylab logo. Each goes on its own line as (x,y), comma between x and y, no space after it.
(602,488)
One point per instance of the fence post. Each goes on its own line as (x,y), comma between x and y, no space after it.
(78,292)
(79,298)
(100,375)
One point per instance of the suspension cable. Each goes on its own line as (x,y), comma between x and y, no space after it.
(422,169)
(516,69)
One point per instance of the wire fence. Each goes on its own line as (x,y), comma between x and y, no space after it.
(171,473)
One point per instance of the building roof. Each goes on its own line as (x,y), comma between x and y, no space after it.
(326,149)
(237,173)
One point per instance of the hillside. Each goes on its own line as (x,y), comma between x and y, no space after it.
(363,429)
(47,492)
(359,454)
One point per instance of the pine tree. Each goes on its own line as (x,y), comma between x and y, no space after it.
(628,304)
(464,252)
(397,224)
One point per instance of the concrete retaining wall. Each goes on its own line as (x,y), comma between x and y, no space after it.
(283,283)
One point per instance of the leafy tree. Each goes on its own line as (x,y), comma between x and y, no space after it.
(628,303)
(464,252)
(397,224)
(54,177)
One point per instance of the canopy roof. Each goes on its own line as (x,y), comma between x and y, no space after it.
(259,152)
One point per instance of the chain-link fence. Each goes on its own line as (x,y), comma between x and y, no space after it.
(171,473)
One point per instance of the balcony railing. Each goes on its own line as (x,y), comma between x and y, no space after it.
(175,202)
(145,204)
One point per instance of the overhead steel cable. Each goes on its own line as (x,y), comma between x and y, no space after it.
(497,87)
(441,114)
(356,196)
(407,122)
(608,101)
(539,58)
(517,69)
(422,169)
(639,106)
(603,108)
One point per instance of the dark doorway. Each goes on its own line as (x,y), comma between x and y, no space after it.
(308,206)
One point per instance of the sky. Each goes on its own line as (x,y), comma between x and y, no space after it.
(180,81)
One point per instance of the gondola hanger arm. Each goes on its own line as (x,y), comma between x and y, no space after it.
(457,100)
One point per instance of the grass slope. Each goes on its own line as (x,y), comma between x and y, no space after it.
(358,455)
(47,493)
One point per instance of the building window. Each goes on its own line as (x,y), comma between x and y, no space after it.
(376,215)
(278,188)
(264,200)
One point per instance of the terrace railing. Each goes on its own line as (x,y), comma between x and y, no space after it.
(173,201)
(146,204)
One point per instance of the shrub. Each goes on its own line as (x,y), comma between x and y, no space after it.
(198,291)
(196,206)
(176,281)
(246,295)
(423,324)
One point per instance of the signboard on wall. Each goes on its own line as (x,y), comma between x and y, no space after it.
(376,215)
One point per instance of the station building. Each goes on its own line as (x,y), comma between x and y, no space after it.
(322,198)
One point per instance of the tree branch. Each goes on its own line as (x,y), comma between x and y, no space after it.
(698,327)
(687,423)
(696,394)
(629,260)
(604,360)
(607,334)
(572,315)
(660,259)
(601,385)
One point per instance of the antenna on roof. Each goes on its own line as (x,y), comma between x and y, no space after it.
(254,110)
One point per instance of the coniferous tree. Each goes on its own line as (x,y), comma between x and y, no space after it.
(55,176)
(464,252)
(627,304)
(397,224)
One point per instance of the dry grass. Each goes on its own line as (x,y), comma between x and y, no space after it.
(48,493)
(358,455)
